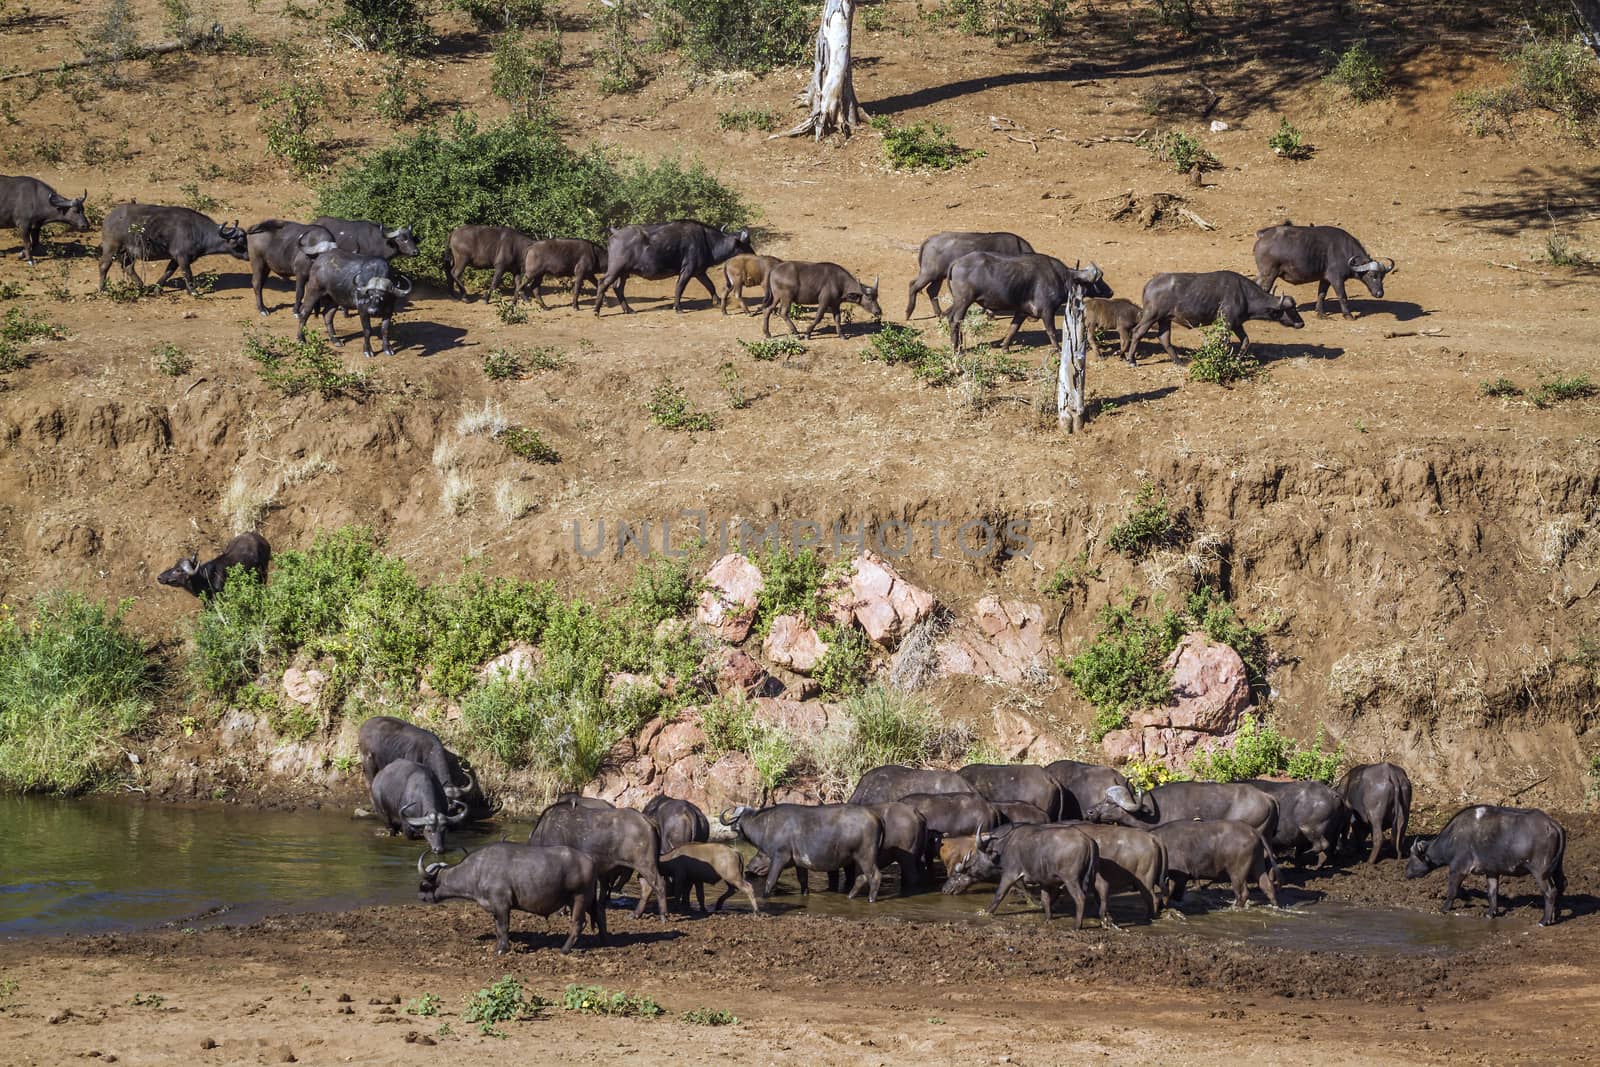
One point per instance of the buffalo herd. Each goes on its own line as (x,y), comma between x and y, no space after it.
(345,264)
(1069,832)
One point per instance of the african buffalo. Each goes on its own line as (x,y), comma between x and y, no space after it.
(1223,850)
(338,279)
(503,877)
(564,257)
(274,248)
(1182,801)
(496,248)
(1015,782)
(1028,286)
(1310,815)
(1117,316)
(823,837)
(698,864)
(1326,255)
(248,551)
(685,249)
(1046,857)
(30,205)
(952,814)
(942,249)
(1379,798)
(410,800)
(1198,300)
(1083,785)
(383,739)
(149,232)
(1494,841)
(361,238)
(1020,813)
(1132,860)
(892,782)
(679,822)
(615,837)
(905,842)
(827,285)
(743,270)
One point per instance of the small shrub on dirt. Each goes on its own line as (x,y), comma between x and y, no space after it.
(291,121)
(110,40)
(770,349)
(792,583)
(1501,387)
(199,201)
(503,1002)
(523,64)
(728,375)
(1360,72)
(744,119)
(402,97)
(11,290)
(903,345)
(616,57)
(662,589)
(753,35)
(1121,668)
(491,15)
(921,146)
(595,1000)
(73,681)
(1217,361)
(842,670)
(1562,387)
(1288,142)
(709,1017)
(1150,525)
(502,364)
(1559,252)
(295,368)
(398,27)
(1561,76)
(426,1005)
(1007,21)
(1184,151)
(126,291)
(508,311)
(21,327)
(1072,575)
(527,444)
(1208,611)
(173,361)
(1260,751)
(669,408)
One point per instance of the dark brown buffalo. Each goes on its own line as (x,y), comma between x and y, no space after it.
(684,249)
(1326,255)
(1115,315)
(1026,286)
(30,205)
(152,232)
(1379,798)
(1046,858)
(504,877)
(743,270)
(249,551)
(1197,300)
(562,257)
(497,248)
(1494,841)
(616,837)
(942,249)
(892,782)
(1015,782)
(1229,851)
(274,247)
(827,285)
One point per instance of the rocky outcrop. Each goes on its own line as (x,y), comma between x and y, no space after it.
(1210,690)
(728,604)
(1019,740)
(882,602)
(794,643)
(1003,639)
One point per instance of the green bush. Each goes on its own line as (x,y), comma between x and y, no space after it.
(921,146)
(1260,751)
(23,328)
(502,364)
(1150,525)
(594,1000)
(173,361)
(403,97)
(669,408)
(744,119)
(290,120)
(295,368)
(522,65)
(503,1002)
(519,173)
(1182,150)
(395,26)
(1360,72)
(791,584)
(1217,361)
(709,1017)
(1562,387)
(770,349)
(842,670)
(903,345)
(1008,21)
(72,682)
(529,445)
(884,725)
(1075,574)
(1287,141)
(662,589)
(1121,669)
(1560,75)
(754,35)
(489,15)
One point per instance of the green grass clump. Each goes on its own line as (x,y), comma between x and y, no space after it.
(1150,525)
(903,345)
(922,146)
(595,1000)
(1075,574)
(1217,361)
(502,364)
(398,27)
(426,1005)
(529,445)
(73,681)
(753,35)
(662,589)
(23,328)
(791,584)
(744,119)
(730,726)
(884,725)
(842,670)
(1562,387)
(770,349)
(519,172)
(503,1002)
(1260,751)
(1287,141)
(669,408)
(709,1017)
(1360,72)
(296,368)
(173,361)
(1182,150)
(1502,387)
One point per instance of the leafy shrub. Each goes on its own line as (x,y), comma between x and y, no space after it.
(842,670)
(921,146)
(766,351)
(402,97)
(519,173)
(395,26)
(1182,150)
(426,1005)
(903,345)
(1360,72)
(490,15)
(1558,251)
(1501,386)
(791,584)
(1145,775)
(1288,142)
(72,682)
(173,361)
(1562,387)
(521,67)
(1217,361)
(1075,574)
(594,1000)
(1259,751)
(883,725)
(662,588)
(617,57)
(1120,670)
(669,407)
(754,35)
(295,368)
(744,119)
(501,364)
(1208,611)
(1008,21)
(1560,75)
(289,119)
(503,1002)
(529,445)
(1148,526)
(23,328)
(709,1017)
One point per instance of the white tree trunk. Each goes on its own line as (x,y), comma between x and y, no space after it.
(833,92)
(1070,389)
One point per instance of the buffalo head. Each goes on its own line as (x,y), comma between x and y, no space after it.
(1371,272)
(1418,863)
(1283,311)
(402,240)
(71,211)
(183,574)
(867,297)
(235,240)
(430,878)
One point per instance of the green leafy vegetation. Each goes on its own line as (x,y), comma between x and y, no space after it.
(792,584)
(290,119)
(730,726)
(1075,574)
(842,670)
(73,681)
(669,408)
(398,27)
(903,345)
(921,146)
(173,361)
(22,328)
(527,444)
(1288,142)
(503,1002)
(1184,151)
(744,119)
(1557,74)
(148,1000)
(523,63)
(772,348)
(753,35)
(595,1000)
(1260,751)
(1359,71)
(709,1017)
(1562,387)
(490,15)
(883,725)
(296,368)
(1007,21)
(501,364)
(1501,387)
(1559,252)
(1217,361)
(1150,525)
(617,55)
(401,97)
(662,588)
(519,173)
(728,375)
(426,1005)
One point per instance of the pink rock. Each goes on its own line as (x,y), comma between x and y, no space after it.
(686,779)
(1210,688)
(794,644)
(737,672)
(1019,740)
(648,732)
(884,603)
(1003,640)
(732,780)
(1120,746)
(516,662)
(304,687)
(728,604)
(676,741)
(797,717)
(620,682)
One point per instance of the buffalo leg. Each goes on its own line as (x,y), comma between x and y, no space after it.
(1103,891)
(1268,890)
(1147,319)
(366,335)
(129,271)
(538,292)
(1152,906)
(958,311)
(299,298)
(328,319)
(917,285)
(1267,279)
(1547,888)
(776,864)
(838,322)
(677,292)
(580,906)
(172,267)
(258,278)
(502,927)
(700,897)
(1322,292)
(28,235)
(1165,337)
(933,295)
(1376,826)
(705,279)
(105,267)
(803,876)
(494,283)
(388,349)
(766,319)
(812,325)
(1452,888)
(1049,322)
(1016,324)
(621,298)
(1180,882)
(1244,339)
(1494,897)
(1398,829)
(1003,890)
(1075,891)
(1344,301)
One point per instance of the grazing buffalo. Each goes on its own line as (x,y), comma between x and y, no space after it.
(249,551)
(1494,841)
(1019,813)
(1043,857)
(677,821)
(362,238)
(1182,801)
(1379,798)
(30,205)
(1310,815)
(699,864)
(497,248)
(616,837)
(1198,300)
(410,800)
(743,270)
(891,782)
(383,739)
(274,248)
(824,837)
(952,814)
(685,249)
(827,285)
(1116,316)
(562,257)
(1326,255)
(1002,783)
(1225,850)
(150,232)
(1028,286)
(1083,785)
(366,285)
(505,877)
(942,249)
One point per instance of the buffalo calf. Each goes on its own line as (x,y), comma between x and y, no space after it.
(827,285)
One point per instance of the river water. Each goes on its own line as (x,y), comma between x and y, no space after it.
(107,864)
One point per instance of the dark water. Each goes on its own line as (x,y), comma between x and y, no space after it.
(107,864)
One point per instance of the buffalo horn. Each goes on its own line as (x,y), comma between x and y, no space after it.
(1391,268)
(391,234)
(1120,796)
(397,283)
(458,811)
(420,857)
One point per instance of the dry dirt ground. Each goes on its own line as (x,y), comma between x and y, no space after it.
(334,988)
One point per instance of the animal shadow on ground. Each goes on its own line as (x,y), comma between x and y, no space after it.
(1472,900)
(1399,310)
(553,939)
(1144,396)
(1270,353)
(429,338)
